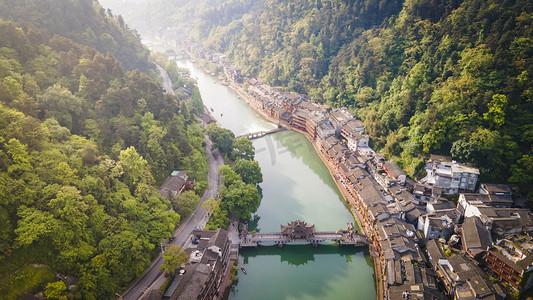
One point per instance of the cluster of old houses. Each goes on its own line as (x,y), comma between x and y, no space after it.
(202,275)
(423,244)
(410,224)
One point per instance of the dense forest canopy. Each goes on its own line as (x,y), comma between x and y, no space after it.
(426,76)
(84,144)
(85,22)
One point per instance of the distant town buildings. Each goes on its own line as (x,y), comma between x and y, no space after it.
(450,175)
(424,246)
(202,274)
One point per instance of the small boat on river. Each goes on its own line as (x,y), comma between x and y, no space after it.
(243,270)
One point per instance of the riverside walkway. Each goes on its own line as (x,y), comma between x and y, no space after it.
(258,134)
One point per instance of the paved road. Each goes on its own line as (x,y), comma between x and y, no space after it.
(152,278)
(167,83)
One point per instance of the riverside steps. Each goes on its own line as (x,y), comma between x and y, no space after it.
(258,134)
(299,233)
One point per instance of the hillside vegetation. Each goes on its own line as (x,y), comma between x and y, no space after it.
(85,22)
(83,146)
(426,76)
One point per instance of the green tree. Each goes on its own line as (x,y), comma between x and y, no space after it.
(173,258)
(108,43)
(241,199)
(196,101)
(522,172)
(133,164)
(229,175)
(242,148)
(222,138)
(59,103)
(210,204)
(496,114)
(33,225)
(57,132)
(250,171)
(186,203)
(54,290)
(13,86)
(219,218)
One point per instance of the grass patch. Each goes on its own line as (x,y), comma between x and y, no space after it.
(20,257)
(27,279)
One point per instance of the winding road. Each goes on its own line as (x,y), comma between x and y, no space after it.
(152,278)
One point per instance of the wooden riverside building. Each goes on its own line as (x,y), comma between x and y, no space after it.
(298,230)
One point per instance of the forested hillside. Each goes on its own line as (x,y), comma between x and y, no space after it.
(83,145)
(194,19)
(85,22)
(445,79)
(426,76)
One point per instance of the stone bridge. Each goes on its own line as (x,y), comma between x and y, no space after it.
(258,134)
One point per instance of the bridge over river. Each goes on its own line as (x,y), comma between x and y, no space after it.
(258,134)
(299,233)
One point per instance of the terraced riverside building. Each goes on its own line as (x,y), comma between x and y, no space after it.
(392,210)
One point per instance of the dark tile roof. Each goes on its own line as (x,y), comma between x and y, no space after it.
(434,252)
(427,190)
(507,218)
(434,157)
(370,193)
(353,125)
(359,173)
(412,212)
(173,184)
(476,236)
(341,115)
(494,188)
(470,279)
(330,141)
(393,169)
(400,193)
(393,227)
(442,205)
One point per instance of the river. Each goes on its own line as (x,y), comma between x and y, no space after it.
(296,185)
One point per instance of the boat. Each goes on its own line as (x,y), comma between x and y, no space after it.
(243,270)
(212,109)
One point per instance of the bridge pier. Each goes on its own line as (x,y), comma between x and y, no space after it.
(280,245)
(315,244)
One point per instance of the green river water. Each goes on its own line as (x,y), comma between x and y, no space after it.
(296,185)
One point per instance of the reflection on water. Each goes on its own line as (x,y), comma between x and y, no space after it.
(301,254)
(304,272)
(296,185)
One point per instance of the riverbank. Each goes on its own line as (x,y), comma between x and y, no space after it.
(237,88)
(297,185)
(351,206)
